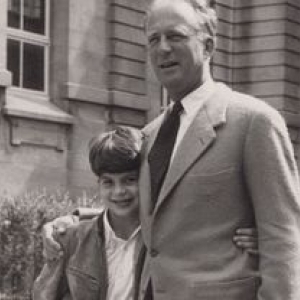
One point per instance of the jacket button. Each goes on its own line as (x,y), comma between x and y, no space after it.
(153,252)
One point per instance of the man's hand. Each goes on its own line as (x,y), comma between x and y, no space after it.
(51,232)
(246,238)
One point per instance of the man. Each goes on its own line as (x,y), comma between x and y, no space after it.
(232,166)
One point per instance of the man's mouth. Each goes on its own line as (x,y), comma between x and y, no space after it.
(167,65)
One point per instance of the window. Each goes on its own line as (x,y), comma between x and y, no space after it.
(28,43)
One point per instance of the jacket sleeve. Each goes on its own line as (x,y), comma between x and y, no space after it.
(272,178)
(51,283)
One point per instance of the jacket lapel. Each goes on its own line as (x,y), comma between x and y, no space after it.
(198,138)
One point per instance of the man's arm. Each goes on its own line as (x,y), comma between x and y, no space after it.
(273,182)
(52,249)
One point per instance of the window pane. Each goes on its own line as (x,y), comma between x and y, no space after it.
(33,74)
(13,60)
(14,11)
(34,16)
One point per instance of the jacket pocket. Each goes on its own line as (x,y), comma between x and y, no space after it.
(243,288)
(214,186)
(82,286)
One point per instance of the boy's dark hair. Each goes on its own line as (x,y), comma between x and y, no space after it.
(116,151)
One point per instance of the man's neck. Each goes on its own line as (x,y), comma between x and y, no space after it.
(177,94)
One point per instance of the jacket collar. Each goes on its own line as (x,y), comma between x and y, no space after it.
(198,138)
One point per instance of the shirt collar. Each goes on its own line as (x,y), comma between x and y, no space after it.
(110,235)
(195,100)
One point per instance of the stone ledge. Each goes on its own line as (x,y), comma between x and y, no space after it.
(292,119)
(5,77)
(123,99)
(42,110)
(36,122)
(77,92)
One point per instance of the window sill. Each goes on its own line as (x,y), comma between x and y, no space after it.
(36,122)
(5,78)
(41,110)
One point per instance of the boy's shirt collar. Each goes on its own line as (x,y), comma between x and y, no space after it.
(111,239)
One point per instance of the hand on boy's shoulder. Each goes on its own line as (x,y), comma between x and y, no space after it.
(54,233)
(54,236)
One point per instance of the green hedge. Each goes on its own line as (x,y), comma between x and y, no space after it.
(21,221)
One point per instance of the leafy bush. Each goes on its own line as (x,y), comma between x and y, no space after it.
(21,221)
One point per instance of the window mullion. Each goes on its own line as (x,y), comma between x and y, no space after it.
(21,63)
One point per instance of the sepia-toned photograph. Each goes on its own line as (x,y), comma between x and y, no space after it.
(149,150)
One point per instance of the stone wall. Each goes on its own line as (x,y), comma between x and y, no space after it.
(100,76)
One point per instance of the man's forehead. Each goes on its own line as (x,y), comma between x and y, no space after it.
(171,28)
(169,15)
(194,3)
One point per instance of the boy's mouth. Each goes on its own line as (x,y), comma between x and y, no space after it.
(123,202)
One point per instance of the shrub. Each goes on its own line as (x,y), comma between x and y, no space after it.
(21,221)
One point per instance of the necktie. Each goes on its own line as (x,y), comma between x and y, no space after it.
(161,152)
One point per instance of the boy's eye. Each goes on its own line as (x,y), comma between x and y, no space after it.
(131,179)
(106,182)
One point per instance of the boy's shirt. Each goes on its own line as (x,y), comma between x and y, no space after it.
(121,261)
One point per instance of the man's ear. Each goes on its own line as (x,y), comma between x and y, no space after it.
(209,45)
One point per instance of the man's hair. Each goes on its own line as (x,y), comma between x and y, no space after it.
(205,10)
(116,151)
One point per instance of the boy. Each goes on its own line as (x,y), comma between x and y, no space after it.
(101,254)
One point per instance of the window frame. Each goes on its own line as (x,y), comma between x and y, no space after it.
(23,36)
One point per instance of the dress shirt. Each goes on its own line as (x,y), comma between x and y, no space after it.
(192,103)
(121,261)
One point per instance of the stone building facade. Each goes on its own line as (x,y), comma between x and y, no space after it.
(70,69)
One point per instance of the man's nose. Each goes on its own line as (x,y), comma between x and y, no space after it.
(164,44)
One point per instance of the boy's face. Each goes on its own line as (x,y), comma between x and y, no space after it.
(120,193)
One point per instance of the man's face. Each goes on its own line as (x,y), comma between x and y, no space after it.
(119,191)
(176,48)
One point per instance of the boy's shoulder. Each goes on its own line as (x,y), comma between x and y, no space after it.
(82,232)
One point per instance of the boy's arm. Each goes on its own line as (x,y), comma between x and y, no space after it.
(247,240)
(51,284)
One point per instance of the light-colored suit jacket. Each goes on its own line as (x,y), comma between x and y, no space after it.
(234,168)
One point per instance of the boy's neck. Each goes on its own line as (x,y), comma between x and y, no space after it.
(123,227)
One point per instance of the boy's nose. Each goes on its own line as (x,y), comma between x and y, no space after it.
(119,189)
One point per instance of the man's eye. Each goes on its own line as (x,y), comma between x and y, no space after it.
(175,37)
(153,40)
